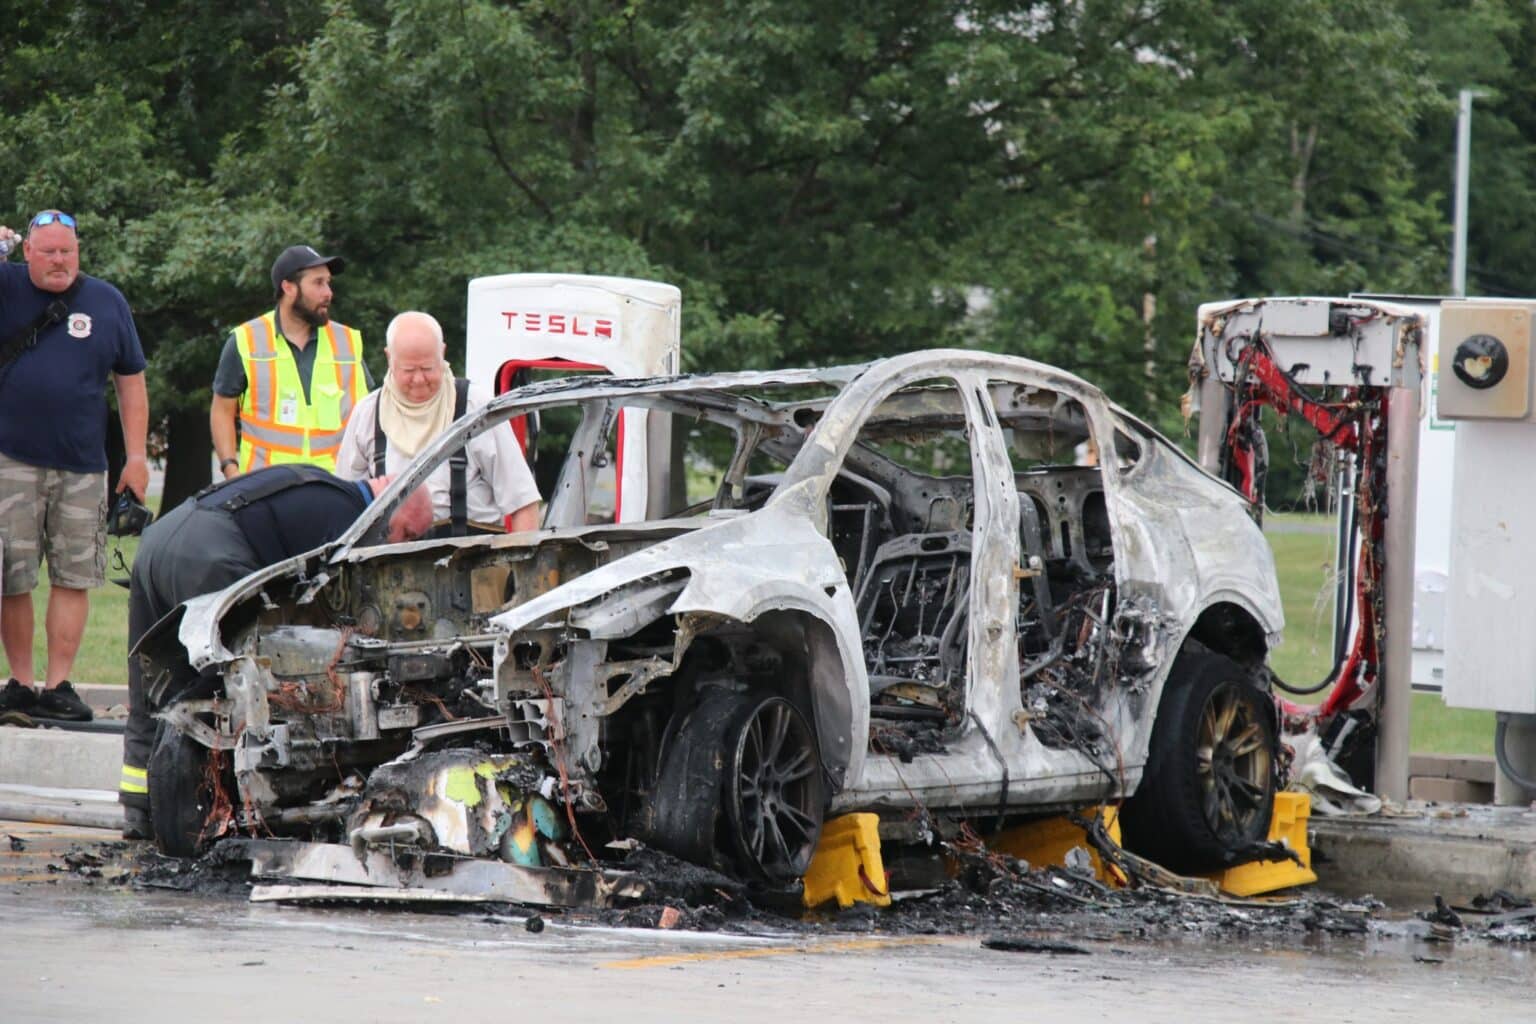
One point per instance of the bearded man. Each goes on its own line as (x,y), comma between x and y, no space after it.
(291,377)
(492,486)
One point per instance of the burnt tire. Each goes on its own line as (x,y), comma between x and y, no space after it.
(740,788)
(1209,786)
(180,793)
(681,812)
(775,799)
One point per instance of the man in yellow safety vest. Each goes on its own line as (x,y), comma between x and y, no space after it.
(291,377)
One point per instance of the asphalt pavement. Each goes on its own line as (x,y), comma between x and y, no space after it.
(82,942)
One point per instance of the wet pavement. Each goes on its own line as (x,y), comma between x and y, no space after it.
(89,934)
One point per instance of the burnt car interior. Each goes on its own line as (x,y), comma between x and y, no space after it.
(1066,585)
(620,711)
(414,635)
(902,518)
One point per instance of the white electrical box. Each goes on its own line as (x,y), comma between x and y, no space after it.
(1485,360)
(1319,341)
(1483,384)
(1490,632)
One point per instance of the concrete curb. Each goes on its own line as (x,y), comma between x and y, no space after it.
(102,696)
(109,816)
(60,758)
(1456,850)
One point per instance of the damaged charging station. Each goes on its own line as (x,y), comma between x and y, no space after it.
(1433,515)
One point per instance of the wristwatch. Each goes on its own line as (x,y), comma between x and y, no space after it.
(231,461)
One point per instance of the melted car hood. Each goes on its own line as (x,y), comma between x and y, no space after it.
(197,620)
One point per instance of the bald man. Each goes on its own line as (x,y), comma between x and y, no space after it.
(413,408)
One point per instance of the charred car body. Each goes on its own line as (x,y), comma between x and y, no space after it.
(898,587)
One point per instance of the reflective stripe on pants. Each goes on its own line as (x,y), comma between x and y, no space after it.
(134,780)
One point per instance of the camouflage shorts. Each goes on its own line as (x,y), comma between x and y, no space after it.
(52,514)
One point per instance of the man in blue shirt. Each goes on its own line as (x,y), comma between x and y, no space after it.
(62,335)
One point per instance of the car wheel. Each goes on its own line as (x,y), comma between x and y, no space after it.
(1209,786)
(774,798)
(681,812)
(180,793)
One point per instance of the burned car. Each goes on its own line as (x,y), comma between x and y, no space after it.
(946,587)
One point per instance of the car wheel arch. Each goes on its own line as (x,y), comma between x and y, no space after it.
(1229,628)
(817,680)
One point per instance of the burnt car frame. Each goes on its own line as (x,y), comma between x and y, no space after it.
(947,587)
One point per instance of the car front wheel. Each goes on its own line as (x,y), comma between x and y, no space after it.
(773,790)
(739,785)
(181,793)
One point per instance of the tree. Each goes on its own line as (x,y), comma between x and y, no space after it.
(1066,179)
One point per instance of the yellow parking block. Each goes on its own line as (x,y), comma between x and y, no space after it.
(1049,840)
(1287,824)
(847,865)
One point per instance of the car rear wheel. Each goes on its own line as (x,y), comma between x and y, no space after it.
(1209,786)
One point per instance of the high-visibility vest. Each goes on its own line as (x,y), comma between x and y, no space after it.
(277,423)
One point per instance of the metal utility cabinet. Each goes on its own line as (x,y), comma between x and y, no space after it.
(1485,385)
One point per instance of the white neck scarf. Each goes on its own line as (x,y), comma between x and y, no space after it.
(411,426)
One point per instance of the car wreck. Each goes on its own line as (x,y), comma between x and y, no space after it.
(948,588)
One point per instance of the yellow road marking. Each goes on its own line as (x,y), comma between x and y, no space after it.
(850,946)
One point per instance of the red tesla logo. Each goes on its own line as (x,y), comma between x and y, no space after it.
(574,324)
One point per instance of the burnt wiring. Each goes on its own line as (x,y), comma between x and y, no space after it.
(1061,686)
(558,749)
(1116,776)
(297,697)
(221,810)
(420,695)
(222,807)
(1350,419)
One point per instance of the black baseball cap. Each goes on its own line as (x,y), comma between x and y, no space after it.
(301,257)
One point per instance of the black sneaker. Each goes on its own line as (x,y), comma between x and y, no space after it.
(61,703)
(137,824)
(15,696)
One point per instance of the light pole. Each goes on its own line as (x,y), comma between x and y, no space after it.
(1463,161)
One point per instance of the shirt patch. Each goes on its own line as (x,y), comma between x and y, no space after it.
(79,325)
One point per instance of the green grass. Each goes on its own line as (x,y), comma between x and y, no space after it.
(1438,729)
(1304,565)
(1303,560)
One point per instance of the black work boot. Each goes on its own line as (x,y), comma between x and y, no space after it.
(17,696)
(137,823)
(62,704)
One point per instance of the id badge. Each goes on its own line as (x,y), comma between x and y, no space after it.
(288,410)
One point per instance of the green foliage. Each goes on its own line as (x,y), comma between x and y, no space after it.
(1065,179)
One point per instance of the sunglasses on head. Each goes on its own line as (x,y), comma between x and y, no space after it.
(47,217)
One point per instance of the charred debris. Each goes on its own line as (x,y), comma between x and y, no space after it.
(1005,901)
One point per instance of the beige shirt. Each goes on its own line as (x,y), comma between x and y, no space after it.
(497,480)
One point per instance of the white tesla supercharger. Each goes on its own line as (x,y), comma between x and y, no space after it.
(522,324)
